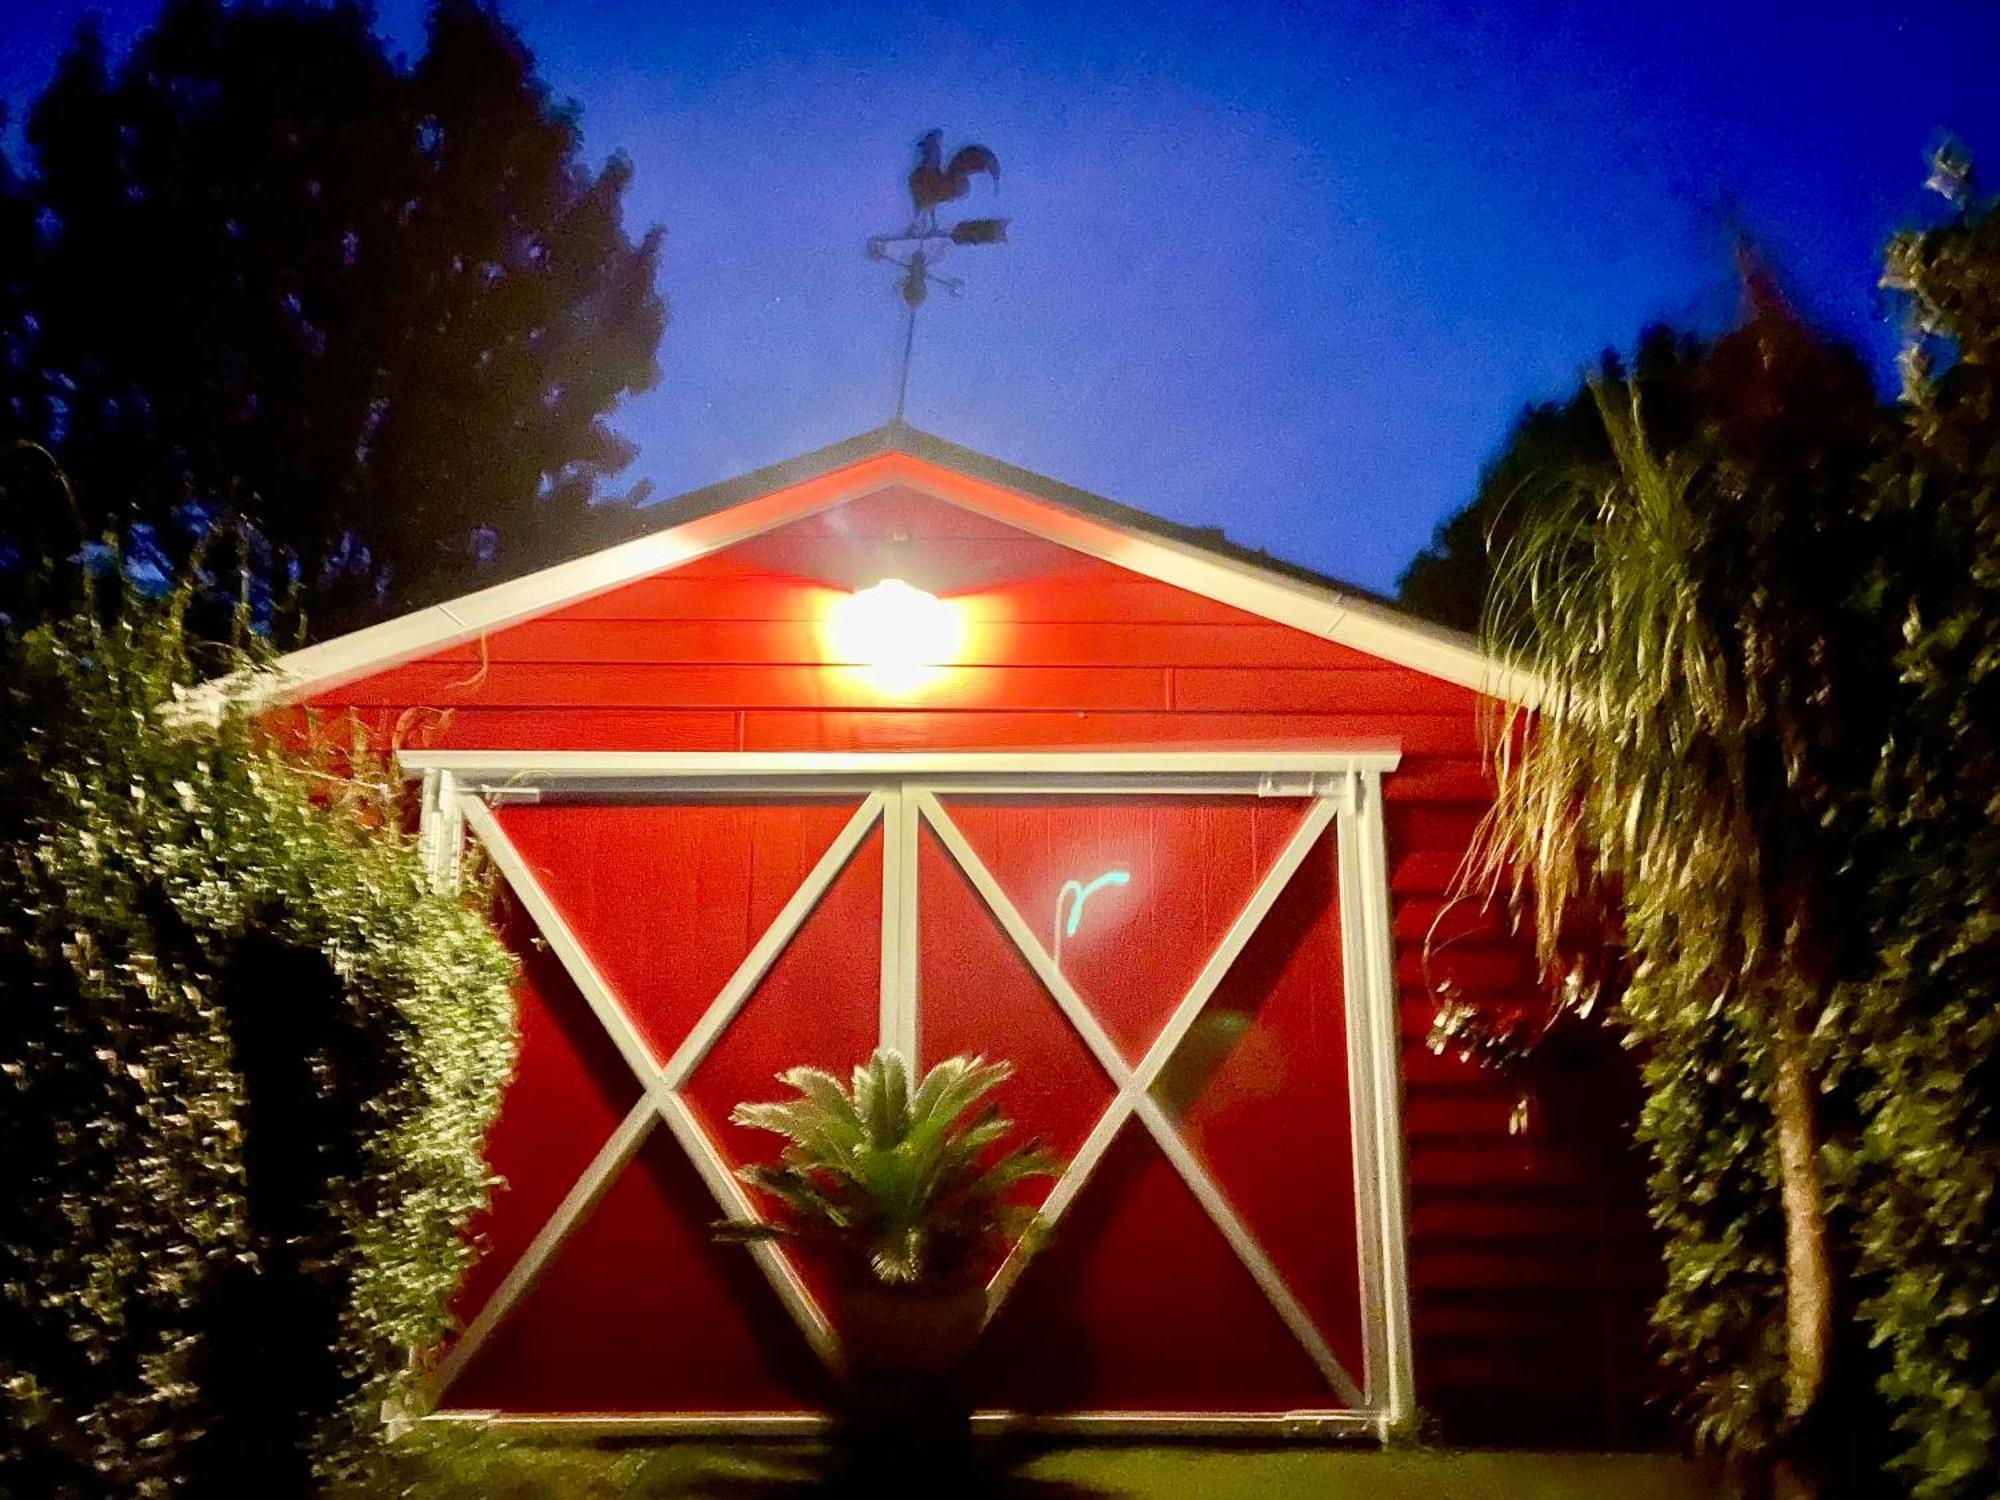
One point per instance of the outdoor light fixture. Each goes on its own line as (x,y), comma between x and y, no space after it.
(900,637)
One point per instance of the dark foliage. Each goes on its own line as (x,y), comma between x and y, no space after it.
(1448,581)
(380,310)
(1925,1172)
(247,1060)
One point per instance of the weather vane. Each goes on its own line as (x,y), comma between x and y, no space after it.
(917,250)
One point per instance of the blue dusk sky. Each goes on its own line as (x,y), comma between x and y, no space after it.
(1287,269)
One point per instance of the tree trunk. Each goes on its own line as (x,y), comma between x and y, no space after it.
(1808,1263)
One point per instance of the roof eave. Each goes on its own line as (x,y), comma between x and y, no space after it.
(721,515)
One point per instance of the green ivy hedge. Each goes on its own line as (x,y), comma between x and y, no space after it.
(247,1062)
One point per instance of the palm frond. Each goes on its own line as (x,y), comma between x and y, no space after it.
(825,1092)
(1018,1166)
(882,1097)
(800,1193)
(954,1086)
(1631,769)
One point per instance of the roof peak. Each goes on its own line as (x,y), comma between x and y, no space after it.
(901,436)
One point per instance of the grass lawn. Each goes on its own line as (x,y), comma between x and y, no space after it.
(462,1467)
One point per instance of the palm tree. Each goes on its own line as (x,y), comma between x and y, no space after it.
(1678,775)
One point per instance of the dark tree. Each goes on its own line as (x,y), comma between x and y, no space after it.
(380,310)
(1448,580)
(18,386)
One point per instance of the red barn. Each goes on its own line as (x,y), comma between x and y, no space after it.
(1161,822)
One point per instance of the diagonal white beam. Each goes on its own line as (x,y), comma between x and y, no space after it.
(1016,927)
(620,1148)
(562,942)
(1067,1186)
(737,1207)
(1269,889)
(1135,1085)
(1248,1250)
(1084,1162)
(784,927)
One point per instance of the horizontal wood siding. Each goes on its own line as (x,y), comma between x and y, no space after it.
(1531,1263)
(1013,643)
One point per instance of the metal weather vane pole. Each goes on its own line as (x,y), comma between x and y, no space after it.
(910,331)
(918,248)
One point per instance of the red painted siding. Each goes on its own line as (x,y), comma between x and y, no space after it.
(1530,1261)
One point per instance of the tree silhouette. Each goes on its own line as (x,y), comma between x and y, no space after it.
(377,309)
(1449,579)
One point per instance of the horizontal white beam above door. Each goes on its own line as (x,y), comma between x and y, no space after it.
(524,774)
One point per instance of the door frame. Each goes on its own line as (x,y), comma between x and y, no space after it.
(460,788)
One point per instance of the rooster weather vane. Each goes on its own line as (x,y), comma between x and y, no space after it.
(917,249)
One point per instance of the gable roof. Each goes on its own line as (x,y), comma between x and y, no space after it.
(1199,559)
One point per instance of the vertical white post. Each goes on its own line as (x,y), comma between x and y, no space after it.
(1385,1078)
(429,817)
(889,1021)
(440,829)
(1357,1004)
(453,828)
(908,1036)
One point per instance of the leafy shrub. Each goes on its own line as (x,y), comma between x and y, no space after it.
(1924,1174)
(247,1061)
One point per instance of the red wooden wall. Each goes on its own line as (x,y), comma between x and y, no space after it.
(1530,1262)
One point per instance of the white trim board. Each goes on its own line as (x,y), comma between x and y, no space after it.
(1307,1426)
(1314,608)
(525,775)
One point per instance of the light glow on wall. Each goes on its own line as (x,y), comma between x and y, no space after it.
(901,638)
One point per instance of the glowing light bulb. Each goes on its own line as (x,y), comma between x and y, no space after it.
(900,637)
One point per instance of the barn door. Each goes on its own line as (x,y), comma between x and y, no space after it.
(1166,975)
(1183,969)
(674,955)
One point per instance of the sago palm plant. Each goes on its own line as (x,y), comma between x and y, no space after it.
(907,1184)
